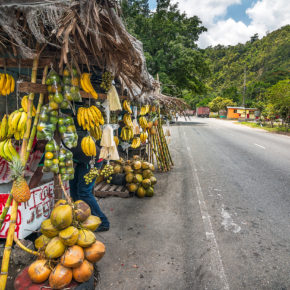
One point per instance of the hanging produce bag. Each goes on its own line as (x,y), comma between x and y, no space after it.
(113,99)
(48,120)
(71,85)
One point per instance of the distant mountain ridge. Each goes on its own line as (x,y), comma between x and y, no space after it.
(266,61)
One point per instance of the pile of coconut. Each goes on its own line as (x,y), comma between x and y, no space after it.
(67,247)
(140,178)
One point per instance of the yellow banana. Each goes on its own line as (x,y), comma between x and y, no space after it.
(89,85)
(83,84)
(12,85)
(79,117)
(14,121)
(6,151)
(7,84)
(99,114)
(2,81)
(12,150)
(22,122)
(24,105)
(4,127)
(116,139)
(2,154)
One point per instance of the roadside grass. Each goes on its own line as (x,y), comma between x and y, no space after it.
(279,129)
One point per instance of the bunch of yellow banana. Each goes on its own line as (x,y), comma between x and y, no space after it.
(143,137)
(17,123)
(127,133)
(88,146)
(117,141)
(24,105)
(136,142)
(7,84)
(4,128)
(144,110)
(96,132)
(7,150)
(87,85)
(127,107)
(89,118)
(127,120)
(143,122)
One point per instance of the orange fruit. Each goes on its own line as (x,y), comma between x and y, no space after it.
(48,155)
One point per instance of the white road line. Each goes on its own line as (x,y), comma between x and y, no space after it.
(216,260)
(260,146)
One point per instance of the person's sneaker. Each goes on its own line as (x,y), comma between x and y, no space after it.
(102,228)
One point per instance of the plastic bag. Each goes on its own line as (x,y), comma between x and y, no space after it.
(51,161)
(113,99)
(47,123)
(67,130)
(66,168)
(71,83)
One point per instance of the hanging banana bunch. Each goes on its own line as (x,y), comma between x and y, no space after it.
(143,137)
(88,146)
(89,118)
(17,123)
(87,85)
(96,132)
(144,110)
(7,84)
(127,133)
(127,107)
(127,120)
(4,128)
(24,104)
(7,150)
(136,142)
(143,122)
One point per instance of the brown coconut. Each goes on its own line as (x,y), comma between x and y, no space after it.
(82,210)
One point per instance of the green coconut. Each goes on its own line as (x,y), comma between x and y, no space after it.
(61,216)
(92,223)
(86,238)
(129,177)
(55,248)
(41,242)
(147,173)
(138,178)
(69,236)
(153,180)
(132,187)
(48,229)
(146,183)
(150,191)
(141,192)
(82,210)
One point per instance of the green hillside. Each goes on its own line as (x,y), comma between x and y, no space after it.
(266,62)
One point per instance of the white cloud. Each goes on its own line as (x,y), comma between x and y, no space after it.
(265,15)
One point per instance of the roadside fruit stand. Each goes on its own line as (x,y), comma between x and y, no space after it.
(66,66)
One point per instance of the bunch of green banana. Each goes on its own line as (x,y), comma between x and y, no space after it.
(4,128)
(127,133)
(7,150)
(17,123)
(136,142)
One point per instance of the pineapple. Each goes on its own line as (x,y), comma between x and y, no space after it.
(20,189)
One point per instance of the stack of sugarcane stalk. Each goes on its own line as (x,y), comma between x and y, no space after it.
(158,147)
(24,155)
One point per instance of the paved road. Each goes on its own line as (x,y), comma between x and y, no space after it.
(219,220)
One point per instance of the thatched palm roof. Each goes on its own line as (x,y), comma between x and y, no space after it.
(88,32)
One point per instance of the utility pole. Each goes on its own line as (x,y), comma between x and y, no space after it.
(244,91)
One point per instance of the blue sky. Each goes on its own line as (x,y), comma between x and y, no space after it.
(234,21)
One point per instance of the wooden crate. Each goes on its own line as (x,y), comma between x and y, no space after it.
(105,190)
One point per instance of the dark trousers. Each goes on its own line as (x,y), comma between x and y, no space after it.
(79,190)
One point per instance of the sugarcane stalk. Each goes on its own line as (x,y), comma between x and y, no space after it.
(165,144)
(158,157)
(21,246)
(40,102)
(162,149)
(11,230)
(161,152)
(5,209)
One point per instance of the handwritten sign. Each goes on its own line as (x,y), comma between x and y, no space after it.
(32,213)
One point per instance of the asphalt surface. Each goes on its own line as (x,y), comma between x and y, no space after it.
(219,219)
